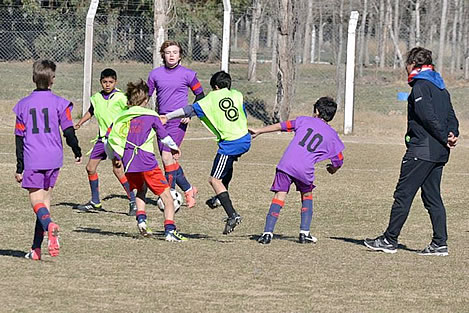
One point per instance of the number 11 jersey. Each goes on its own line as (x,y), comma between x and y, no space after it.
(38,118)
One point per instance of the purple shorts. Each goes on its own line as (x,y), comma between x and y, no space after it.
(176,130)
(98,151)
(41,179)
(282,182)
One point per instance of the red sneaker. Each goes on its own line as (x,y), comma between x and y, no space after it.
(190,197)
(53,244)
(34,254)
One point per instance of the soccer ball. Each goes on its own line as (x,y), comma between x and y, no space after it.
(177,201)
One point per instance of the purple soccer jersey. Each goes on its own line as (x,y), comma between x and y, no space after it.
(314,141)
(38,118)
(139,130)
(171,87)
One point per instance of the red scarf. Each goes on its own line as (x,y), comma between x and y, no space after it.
(416,70)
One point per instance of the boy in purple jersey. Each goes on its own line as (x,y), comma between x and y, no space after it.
(314,141)
(105,106)
(131,138)
(39,151)
(170,82)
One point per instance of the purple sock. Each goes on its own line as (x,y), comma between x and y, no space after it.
(272,216)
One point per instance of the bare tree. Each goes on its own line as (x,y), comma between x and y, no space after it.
(308,25)
(417,22)
(395,33)
(254,42)
(361,38)
(320,30)
(393,36)
(384,38)
(286,71)
(441,50)
(340,66)
(454,33)
(161,9)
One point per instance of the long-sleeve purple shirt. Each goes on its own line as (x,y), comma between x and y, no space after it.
(314,141)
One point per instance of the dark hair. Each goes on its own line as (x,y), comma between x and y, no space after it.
(220,79)
(137,93)
(43,73)
(168,43)
(419,56)
(325,107)
(108,72)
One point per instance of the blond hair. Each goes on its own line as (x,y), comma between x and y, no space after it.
(137,93)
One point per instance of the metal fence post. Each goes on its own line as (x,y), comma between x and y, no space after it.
(225,51)
(88,59)
(350,73)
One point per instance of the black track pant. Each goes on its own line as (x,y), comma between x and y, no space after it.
(417,174)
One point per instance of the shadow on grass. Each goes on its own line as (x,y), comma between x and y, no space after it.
(12,253)
(276,237)
(113,196)
(360,243)
(74,207)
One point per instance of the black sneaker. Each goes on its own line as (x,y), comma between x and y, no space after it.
(213,202)
(434,249)
(89,206)
(306,237)
(132,209)
(231,223)
(380,244)
(265,238)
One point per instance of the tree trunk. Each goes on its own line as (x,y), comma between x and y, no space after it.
(362,38)
(307,41)
(459,47)
(340,69)
(320,31)
(393,37)
(381,30)
(387,25)
(273,70)
(269,32)
(396,31)
(417,22)
(313,44)
(286,71)
(368,40)
(254,41)
(441,51)
(453,38)
(159,25)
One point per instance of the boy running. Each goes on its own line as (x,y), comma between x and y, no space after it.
(105,106)
(39,151)
(131,138)
(314,141)
(222,112)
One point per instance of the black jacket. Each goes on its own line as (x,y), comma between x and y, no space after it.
(430,118)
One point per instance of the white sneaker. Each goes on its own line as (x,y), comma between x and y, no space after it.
(144,229)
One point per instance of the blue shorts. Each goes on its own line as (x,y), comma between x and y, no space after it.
(40,179)
(282,182)
(222,165)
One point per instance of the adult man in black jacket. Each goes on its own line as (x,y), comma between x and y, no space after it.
(432,130)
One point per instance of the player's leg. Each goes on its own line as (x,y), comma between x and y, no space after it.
(157,183)
(431,197)
(306,214)
(222,165)
(281,187)
(214,202)
(118,170)
(136,181)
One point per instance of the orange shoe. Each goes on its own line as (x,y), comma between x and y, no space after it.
(53,244)
(34,254)
(190,197)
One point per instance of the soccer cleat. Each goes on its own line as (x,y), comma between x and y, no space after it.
(53,243)
(306,237)
(265,238)
(132,208)
(434,249)
(213,202)
(380,244)
(174,235)
(231,223)
(34,254)
(90,206)
(190,197)
(144,230)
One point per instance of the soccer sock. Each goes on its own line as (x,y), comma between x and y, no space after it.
(272,217)
(43,215)
(141,215)
(225,201)
(94,185)
(170,174)
(126,185)
(169,225)
(181,179)
(38,235)
(306,212)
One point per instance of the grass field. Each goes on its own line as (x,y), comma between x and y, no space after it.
(105,266)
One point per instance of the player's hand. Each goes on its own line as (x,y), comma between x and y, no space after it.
(78,160)
(19,177)
(176,154)
(452,140)
(254,132)
(185,120)
(163,119)
(76,126)
(331,169)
